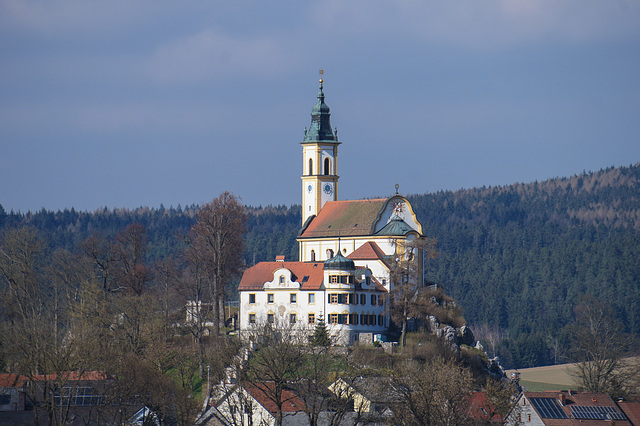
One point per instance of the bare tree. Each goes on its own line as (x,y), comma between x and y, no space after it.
(99,250)
(435,392)
(129,249)
(407,279)
(599,348)
(275,364)
(218,236)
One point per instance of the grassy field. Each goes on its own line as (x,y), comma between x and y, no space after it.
(550,377)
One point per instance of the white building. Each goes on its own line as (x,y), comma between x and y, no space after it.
(346,249)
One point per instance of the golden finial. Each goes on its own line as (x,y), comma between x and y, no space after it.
(321,74)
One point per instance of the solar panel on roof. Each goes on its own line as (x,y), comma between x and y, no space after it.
(597,412)
(548,408)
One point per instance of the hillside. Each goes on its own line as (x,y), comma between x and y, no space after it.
(517,258)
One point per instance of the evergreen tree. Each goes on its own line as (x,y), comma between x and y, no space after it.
(320,335)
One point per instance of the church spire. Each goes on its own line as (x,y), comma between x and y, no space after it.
(320,129)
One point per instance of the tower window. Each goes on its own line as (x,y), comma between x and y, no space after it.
(327,166)
(310,166)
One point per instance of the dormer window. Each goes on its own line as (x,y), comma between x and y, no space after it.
(281,279)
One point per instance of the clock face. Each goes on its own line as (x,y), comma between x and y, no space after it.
(309,188)
(328,188)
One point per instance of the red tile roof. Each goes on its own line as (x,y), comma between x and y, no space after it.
(368,251)
(477,403)
(345,219)
(255,277)
(291,403)
(9,380)
(631,410)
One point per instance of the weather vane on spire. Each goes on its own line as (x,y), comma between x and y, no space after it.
(321,74)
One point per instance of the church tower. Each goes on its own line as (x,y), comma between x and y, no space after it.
(319,160)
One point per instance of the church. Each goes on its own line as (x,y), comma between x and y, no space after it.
(347,249)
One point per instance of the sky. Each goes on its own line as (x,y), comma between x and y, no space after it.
(122,103)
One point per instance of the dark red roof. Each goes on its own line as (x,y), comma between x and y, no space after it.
(308,274)
(291,403)
(480,408)
(632,410)
(348,218)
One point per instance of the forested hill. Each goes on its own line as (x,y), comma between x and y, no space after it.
(517,258)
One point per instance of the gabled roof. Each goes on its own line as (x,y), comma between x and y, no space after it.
(308,274)
(368,251)
(376,389)
(291,402)
(349,218)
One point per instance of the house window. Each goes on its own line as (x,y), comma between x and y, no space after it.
(380,300)
(270,318)
(380,319)
(293,297)
(281,279)
(329,253)
(292,318)
(529,415)
(252,318)
(333,298)
(373,300)
(270,297)
(252,298)
(333,279)
(312,298)
(313,254)
(312,319)
(327,166)
(384,282)
(333,319)
(363,299)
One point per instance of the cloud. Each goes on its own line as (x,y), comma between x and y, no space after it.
(481,25)
(213,54)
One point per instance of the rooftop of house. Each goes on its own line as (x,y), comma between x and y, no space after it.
(260,391)
(565,407)
(308,274)
(350,218)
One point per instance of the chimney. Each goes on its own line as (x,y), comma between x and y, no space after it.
(280,258)
(562,398)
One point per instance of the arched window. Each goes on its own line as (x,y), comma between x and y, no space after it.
(329,254)
(310,166)
(327,166)
(313,255)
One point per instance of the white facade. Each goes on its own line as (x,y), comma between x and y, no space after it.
(348,308)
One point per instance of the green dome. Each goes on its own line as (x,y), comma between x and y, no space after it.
(339,262)
(396,227)
(320,129)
